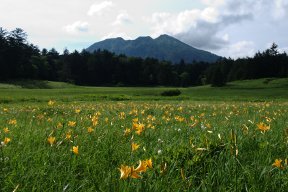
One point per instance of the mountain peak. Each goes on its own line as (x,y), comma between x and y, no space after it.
(114,39)
(163,47)
(120,38)
(165,36)
(144,38)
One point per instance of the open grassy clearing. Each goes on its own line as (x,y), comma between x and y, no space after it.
(276,89)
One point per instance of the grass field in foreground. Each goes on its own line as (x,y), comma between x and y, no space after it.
(172,146)
(132,139)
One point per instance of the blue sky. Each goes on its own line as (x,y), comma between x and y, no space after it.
(231,28)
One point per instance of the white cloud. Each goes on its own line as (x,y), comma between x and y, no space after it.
(172,24)
(160,23)
(213,28)
(122,18)
(77,27)
(283,49)
(214,3)
(210,14)
(183,21)
(281,8)
(225,37)
(238,50)
(115,35)
(98,8)
(199,28)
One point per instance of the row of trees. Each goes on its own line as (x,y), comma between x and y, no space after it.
(21,60)
(15,54)
(105,68)
(269,63)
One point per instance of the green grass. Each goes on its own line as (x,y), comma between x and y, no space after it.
(276,89)
(35,84)
(187,136)
(206,139)
(9,86)
(259,83)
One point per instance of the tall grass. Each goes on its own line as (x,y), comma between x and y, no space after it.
(194,146)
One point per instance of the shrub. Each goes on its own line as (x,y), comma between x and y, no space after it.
(174,92)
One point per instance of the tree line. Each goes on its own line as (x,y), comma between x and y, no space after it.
(20,59)
(269,63)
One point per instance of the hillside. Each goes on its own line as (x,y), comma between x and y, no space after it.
(163,48)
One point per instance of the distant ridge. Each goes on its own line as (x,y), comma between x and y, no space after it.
(163,47)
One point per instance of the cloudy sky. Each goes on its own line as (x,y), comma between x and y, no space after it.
(231,28)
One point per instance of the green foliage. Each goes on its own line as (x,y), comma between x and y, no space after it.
(175,92)
(217,79)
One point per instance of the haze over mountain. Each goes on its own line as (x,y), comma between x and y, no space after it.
(163,48)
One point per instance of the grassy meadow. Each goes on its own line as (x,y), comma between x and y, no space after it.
(61,137)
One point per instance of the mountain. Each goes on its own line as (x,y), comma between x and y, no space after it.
(164,47)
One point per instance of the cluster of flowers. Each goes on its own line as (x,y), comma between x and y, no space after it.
(52,140)
(6,131)
(130,171)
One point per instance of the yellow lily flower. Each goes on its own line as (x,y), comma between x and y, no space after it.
(134,146)
(5,110)
(127,132)
(149,163)
(51,103)
(6,140)
(75,150)
(263,127)
(68,135)
(6,130)
(51,140)
(90,129)
(12,122)
(134,174)
(142,167)
(71,123)
(278,164)
(125,171)
(59,125)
